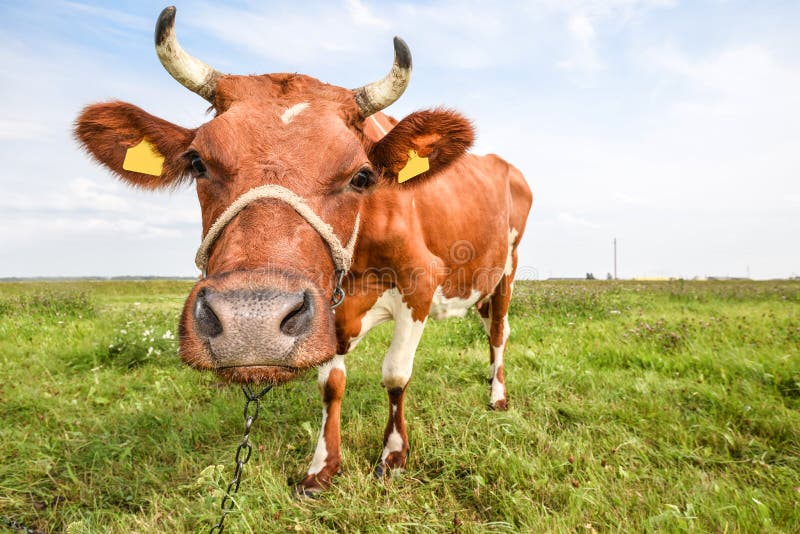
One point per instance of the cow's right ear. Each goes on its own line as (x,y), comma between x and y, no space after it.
(141,149)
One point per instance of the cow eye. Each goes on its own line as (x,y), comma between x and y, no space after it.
(198,165)
(363,179)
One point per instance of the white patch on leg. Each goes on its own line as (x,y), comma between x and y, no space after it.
(393,444)
(512,237)
(292,112)
(399,360)
(324,372)
(321,452)
(498,388)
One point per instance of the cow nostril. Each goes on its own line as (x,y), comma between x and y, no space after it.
(208,324)
(298,320)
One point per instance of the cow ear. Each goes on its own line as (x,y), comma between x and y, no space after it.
(141,149)
(422,145)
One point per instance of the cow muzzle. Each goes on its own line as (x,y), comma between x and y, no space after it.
(252,326)
(246,328)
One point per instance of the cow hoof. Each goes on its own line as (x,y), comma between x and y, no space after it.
(383,470)
(302,492)
(500,406)
(380,471)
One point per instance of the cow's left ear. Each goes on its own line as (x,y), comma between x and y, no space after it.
(421,145)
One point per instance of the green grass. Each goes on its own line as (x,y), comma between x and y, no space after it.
(663,407)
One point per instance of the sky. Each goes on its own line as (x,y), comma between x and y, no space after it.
(672,126)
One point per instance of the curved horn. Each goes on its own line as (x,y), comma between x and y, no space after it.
(380,94)
(190,72)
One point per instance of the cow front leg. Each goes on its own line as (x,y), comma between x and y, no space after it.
(327,456)
(397,368)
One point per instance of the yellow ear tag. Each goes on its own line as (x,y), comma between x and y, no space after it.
(144,158)
(415,166)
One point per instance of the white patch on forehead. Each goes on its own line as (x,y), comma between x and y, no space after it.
(378,125)
(444,308)
(293,111)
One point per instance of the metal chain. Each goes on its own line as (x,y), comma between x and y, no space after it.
(338,293)
(252,405)
(16,526)
(244,450)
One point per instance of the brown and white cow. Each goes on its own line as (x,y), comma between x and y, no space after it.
(436,245)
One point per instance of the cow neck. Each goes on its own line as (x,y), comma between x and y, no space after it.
(342,255)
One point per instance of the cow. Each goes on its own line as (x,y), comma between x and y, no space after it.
(324,217)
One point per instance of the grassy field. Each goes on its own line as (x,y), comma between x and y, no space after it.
(661,407)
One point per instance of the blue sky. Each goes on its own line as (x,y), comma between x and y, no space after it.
(673,126)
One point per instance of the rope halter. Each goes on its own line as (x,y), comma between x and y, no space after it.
(342,255)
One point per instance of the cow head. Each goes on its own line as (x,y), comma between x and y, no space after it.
(262,312)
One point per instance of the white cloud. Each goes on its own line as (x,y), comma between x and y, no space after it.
(361,14)
(584,56)
(88,207)
(114,16)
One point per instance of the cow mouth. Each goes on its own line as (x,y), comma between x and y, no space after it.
(247,374)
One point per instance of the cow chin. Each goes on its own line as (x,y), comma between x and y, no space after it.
(256,326)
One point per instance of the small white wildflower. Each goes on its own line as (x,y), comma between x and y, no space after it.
(150,351)
(168,335)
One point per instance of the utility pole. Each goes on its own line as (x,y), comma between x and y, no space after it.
(615,258)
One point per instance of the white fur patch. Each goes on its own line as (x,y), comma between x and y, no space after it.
(393,444)
(321,452)
(293,111)
(380,312)
(444,308)
(380,128)
(324,370)
(399,360)
(512,237)
(498,388)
